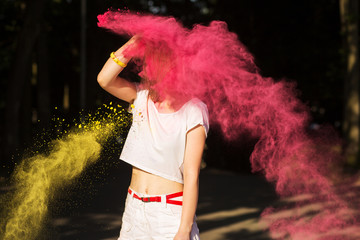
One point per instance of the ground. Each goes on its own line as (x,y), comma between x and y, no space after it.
(229,207)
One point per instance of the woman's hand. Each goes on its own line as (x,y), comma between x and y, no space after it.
(108,76)
(182,236)
(132,43)
(134,39)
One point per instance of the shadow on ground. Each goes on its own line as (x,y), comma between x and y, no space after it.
(230,206)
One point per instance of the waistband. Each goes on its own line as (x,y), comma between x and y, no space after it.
(166,197)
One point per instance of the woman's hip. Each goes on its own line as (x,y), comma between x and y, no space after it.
(144,219)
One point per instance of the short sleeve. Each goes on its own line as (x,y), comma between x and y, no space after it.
(197,115)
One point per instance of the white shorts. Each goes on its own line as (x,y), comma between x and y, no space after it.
(152,220)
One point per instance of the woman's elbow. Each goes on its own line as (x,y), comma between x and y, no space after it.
(101,81)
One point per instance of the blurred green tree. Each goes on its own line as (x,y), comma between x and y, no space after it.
(349,12)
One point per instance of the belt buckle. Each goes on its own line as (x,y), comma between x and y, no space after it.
(145,199)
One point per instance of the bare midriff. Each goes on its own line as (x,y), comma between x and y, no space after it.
(144,182)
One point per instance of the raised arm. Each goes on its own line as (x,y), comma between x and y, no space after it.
(195,142)
(109,80)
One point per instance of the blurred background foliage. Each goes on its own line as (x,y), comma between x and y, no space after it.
(40,55)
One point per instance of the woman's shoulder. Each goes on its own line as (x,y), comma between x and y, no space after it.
(197,104)
(196,107)
(197,114)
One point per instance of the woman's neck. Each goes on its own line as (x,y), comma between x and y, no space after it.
(167,105)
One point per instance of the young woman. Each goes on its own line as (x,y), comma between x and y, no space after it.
(164,145)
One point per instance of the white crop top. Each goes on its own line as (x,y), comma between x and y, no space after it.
(156,141)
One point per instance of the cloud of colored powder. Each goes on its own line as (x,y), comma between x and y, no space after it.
(37,178)
(210,63)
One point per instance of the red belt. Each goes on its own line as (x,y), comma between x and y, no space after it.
(158,198)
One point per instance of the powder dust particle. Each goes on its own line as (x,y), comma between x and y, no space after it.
(38,177)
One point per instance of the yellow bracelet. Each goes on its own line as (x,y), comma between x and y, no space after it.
(120,63)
